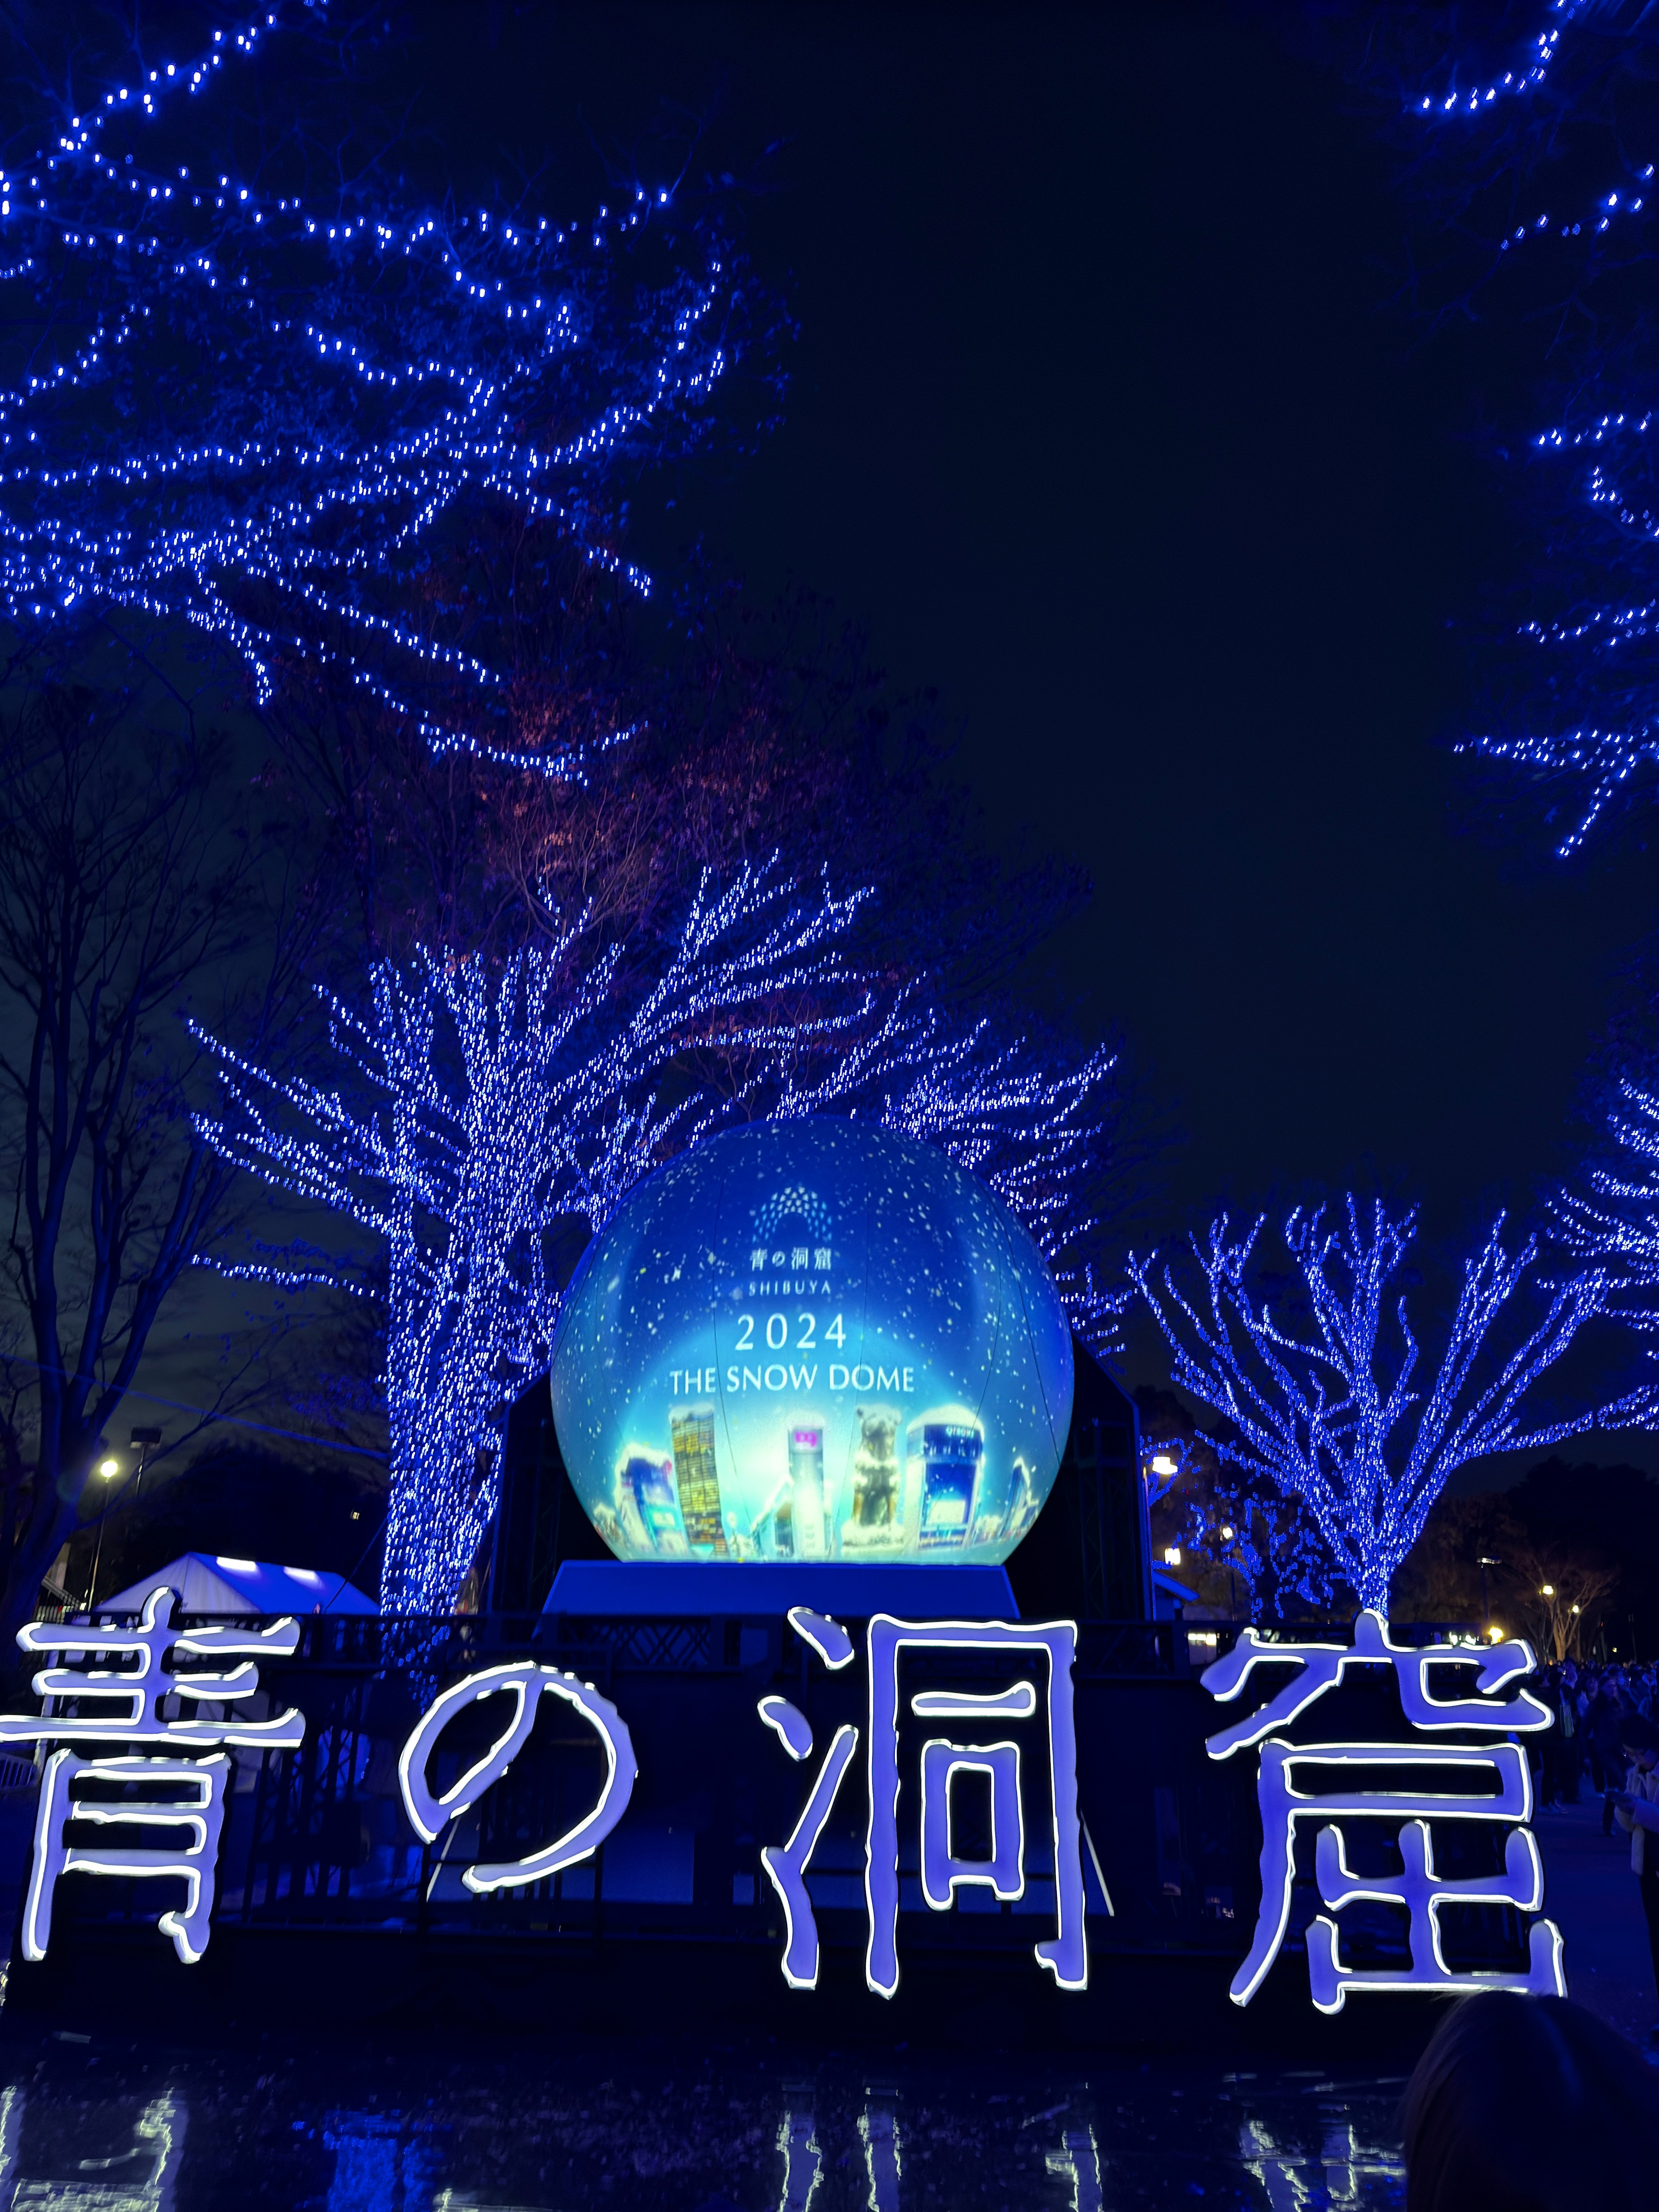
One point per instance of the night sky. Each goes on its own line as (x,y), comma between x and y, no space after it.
(1101,420)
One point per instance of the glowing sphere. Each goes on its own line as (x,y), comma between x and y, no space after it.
(812,1340)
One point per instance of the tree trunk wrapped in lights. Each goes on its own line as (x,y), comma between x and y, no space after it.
(488,1105)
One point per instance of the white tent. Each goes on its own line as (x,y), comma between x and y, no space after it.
(208,1582)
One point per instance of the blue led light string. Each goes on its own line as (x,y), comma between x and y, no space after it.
(481,1105)
(391,373)
(1559,16)
(1318,1380)
(1033,1131)
(1611,1218)
(1595,643)
(1573,115)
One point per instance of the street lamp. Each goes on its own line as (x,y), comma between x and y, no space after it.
(108,1468)
(1232,1571)
(1485,1606)
(143,1442)
(1159,1474)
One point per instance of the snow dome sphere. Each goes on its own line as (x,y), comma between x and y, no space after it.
(812,1340)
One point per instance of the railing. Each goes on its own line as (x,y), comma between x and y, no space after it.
(318,1837)
(55,1604)
(437,1646)
(1413,1633)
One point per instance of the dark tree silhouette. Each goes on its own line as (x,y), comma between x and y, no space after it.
(131,889)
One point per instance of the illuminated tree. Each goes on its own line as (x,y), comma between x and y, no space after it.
(1042,1134)
(493,1104)
(1525,143)
(379,446)
(381,442)
(1612,1219)
(495,1108)
(1320,1382)
(290,417)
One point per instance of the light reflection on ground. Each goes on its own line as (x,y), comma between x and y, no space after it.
(104,2126)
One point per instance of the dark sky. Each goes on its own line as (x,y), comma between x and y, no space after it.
(1100,420)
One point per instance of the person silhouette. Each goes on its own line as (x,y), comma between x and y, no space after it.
(1524,2103)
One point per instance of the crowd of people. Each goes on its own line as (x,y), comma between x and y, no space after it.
(1606,1732)
(1591,1705)
(1531,2104)
(1523,2104)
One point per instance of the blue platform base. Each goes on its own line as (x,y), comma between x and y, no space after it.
(667,1588)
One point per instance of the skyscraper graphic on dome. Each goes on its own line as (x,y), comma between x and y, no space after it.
(806,1489)
(692,1431)
(646,1504)
(943,1453)
(845,1348)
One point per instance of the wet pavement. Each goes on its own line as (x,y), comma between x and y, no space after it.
(157,2119)
(1591,1893)
(109,2126)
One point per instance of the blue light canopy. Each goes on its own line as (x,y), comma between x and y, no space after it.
(812,1340)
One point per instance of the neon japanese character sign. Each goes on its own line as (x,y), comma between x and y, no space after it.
(1047,1651)
(944,1873)
(525,1684)
(1483,1776)
(961,1735)
(163,1787)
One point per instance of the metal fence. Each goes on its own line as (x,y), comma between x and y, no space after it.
(318,1837)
